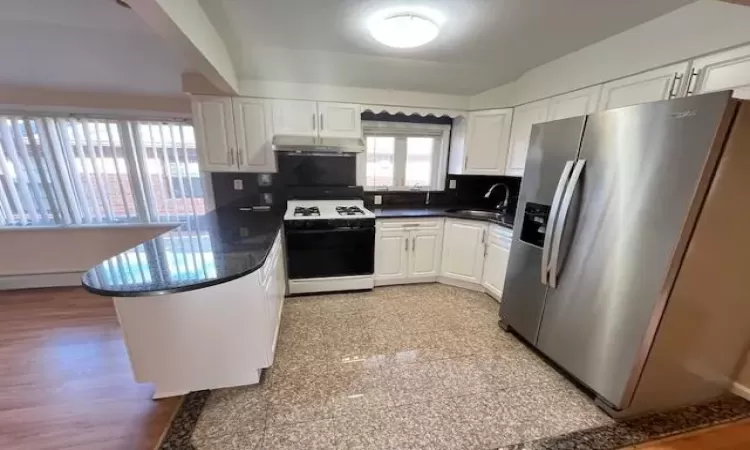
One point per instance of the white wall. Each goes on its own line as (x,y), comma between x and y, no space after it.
(694,30)
(62,254)
(322,92)
(186,25)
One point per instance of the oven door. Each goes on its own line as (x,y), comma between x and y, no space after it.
(337,252)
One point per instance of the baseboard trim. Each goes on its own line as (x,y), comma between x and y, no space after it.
(333,284)
(40,280)
(461,284)
(405,281)
(740,390)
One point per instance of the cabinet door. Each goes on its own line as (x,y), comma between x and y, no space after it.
(651,86)
(340,120)
(295,117)
(391,255)
(463,250)
(425,247)
(496,265)
(487,149)
(253,135)
(723,71)
(214,132)
(524,117)
(573,104)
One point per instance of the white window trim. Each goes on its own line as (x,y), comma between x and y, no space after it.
(407,129)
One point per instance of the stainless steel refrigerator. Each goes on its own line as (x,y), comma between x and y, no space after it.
(629,266)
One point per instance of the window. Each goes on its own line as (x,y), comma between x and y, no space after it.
(403,156)
(64,170)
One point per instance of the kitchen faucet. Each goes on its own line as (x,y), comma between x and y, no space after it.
(504,204)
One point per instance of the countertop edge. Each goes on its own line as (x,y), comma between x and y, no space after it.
(189,287)
(428,212)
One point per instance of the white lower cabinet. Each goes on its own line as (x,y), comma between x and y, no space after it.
(463,250)
(407,251)
(496,260)
(467,253)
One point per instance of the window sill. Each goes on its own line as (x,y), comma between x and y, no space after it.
(91,226)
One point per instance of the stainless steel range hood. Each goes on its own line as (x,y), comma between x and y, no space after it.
(288,143)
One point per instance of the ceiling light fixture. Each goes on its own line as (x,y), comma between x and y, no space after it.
(404,31)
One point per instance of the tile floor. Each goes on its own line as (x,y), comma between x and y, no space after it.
(403,367)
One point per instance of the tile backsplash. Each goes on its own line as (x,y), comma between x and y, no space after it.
(257,189)
(469,192)
(265,189)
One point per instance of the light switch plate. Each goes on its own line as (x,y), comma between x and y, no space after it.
(452,184)
(238,185)
(378,199)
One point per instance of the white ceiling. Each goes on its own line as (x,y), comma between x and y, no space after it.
(90,45)
(483,43)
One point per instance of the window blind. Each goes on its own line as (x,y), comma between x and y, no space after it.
(87,170)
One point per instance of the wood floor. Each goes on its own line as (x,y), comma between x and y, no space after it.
(734,436)
(65,382)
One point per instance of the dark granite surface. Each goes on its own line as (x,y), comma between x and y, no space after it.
(620,434)
(397,213)
(215,248)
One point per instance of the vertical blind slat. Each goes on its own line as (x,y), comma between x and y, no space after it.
(91,199)
(108,128)
(98,170)
(19,158)
(5,164)
(45,159)
(191,194)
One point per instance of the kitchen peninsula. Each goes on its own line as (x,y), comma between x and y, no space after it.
(200,305)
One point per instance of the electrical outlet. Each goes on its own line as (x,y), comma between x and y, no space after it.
(378,199)
(452,184)
(268,198)
(264,179)
(238,185)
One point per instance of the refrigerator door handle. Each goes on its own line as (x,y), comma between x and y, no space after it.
(564,176)
(554,269)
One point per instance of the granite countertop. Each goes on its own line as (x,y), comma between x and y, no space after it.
(413,212)
(217,247)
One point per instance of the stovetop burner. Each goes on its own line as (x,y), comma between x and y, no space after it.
(349,211)
(307,212)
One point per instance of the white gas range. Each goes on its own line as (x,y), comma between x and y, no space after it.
(330,245)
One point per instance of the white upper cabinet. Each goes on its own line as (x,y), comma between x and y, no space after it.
(463,250)
(214,133)
(723,71)
(253,128)
(486,146)
(339,120)
(233,134)
(659,84)
(295,117)
(573,104)
(524,117)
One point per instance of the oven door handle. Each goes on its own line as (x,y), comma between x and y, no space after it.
(345,229)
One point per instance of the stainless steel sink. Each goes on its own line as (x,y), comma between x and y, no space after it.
(477,214)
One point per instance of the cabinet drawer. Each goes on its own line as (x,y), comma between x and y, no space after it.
(407,224)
